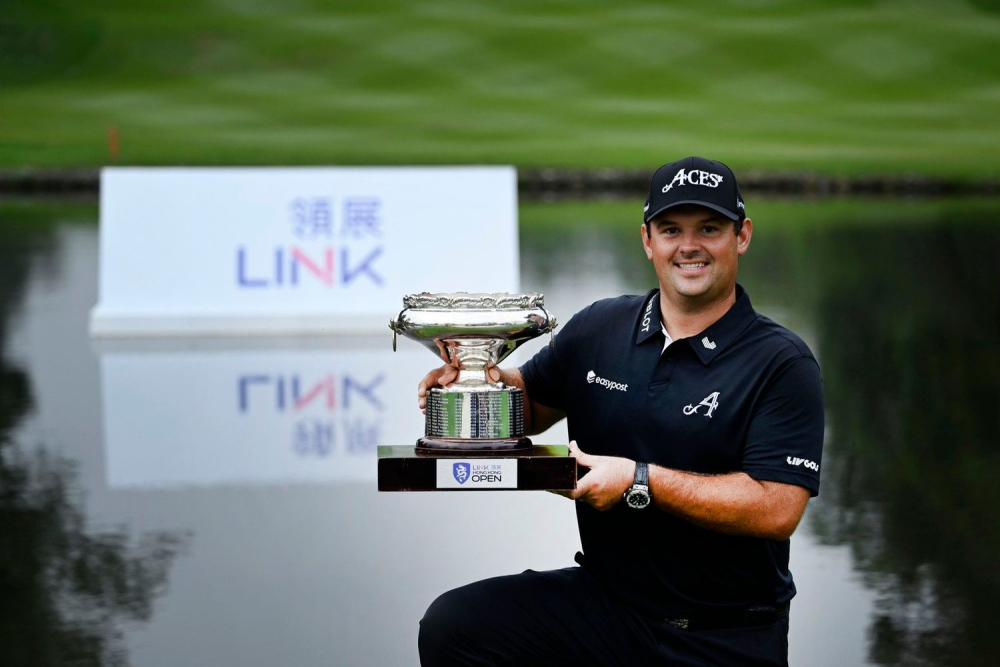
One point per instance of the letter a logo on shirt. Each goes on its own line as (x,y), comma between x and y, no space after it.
(711,402)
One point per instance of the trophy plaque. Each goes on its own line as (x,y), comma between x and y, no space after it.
(474,428)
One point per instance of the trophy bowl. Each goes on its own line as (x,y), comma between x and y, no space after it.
(473,332)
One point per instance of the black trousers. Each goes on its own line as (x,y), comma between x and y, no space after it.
(566,617)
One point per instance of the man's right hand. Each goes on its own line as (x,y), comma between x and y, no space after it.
(442,377)
(439,377)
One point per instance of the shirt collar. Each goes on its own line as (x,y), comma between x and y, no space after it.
(709,343)
(650,318)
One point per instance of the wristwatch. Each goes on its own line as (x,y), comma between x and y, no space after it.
(637,496)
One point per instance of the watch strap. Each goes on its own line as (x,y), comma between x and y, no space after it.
(641,474)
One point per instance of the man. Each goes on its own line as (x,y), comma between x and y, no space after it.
(699,425)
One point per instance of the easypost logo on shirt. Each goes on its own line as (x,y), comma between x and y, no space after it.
(594,378)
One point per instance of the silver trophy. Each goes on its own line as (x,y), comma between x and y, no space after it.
(473,332)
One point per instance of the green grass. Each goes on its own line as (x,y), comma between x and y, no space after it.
(842,87)
(559,218)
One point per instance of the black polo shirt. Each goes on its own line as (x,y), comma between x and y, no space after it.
(744,395)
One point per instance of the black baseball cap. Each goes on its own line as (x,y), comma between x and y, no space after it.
(695,180)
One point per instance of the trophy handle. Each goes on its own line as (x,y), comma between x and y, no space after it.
(553,323)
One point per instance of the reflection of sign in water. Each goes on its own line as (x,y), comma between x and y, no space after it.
(338,425)
(223,416)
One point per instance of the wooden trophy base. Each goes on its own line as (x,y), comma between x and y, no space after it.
(534,468)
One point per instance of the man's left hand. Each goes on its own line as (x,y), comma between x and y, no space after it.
(606,481)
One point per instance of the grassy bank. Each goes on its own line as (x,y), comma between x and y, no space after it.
(561,218)
(840,87)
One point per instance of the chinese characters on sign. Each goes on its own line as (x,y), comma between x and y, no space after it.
(312,218)
(361,217)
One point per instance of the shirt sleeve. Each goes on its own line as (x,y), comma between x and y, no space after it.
(545,373)
(785,439)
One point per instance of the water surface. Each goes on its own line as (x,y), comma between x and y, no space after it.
(167,503)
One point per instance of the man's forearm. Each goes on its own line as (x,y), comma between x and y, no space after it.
(537,417)
(734,503)
(511,377)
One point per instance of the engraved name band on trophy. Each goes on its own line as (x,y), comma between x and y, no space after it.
(473,332)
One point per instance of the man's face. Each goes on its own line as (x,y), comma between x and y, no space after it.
(695,253)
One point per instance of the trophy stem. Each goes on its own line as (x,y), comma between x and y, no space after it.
(473,378)
(473,356)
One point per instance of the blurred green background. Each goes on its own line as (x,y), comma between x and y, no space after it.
(845,87)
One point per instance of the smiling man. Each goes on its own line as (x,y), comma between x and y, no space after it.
(699,426)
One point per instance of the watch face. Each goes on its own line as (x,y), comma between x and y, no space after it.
(637,499)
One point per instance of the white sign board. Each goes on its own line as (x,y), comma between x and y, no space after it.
(296,250)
